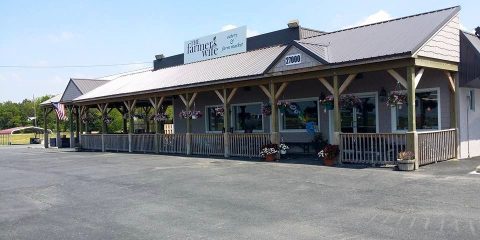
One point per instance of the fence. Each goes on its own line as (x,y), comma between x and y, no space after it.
(143,143)
(247,144)
(371,148)
(208,144)
(115,142)
(92,141)
(172,143)
(435,146)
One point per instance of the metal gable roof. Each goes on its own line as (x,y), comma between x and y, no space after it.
(229,67)
(78,87)
(394,37)
(54,99)
(474,40)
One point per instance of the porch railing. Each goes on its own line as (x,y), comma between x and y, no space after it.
(208,144)
(371,148)
(116,142)
(92,141)
(247,144)
(435,146)
(172,143)
(143,143)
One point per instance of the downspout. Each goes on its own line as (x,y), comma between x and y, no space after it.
(469,102)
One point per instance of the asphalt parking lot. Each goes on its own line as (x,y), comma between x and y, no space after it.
(51,194)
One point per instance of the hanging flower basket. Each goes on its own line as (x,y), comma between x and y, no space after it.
(190,114)
(396,99)
(219,111)
(140,116)
(327,102)
(160,117)
(107,120)
(86,119)
(350,101)
(266,109)
(283,106)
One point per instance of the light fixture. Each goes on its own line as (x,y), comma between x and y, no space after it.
(383,95)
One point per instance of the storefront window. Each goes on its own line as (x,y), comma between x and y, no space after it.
(426,109)
(299,115)
(247,117)
(214,120)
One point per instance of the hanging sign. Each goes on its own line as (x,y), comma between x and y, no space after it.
(217,45)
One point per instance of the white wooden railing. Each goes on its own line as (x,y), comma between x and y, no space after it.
(208,144)
(435,146)
(247,144)
(371,148)
(92,141)
(143,143)
(172,143)
(116,142)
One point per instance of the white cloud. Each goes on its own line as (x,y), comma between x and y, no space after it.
(61,37)
(250,32)
(379,16)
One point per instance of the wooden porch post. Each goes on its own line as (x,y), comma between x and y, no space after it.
(412,136)
(188,101)
(58,130)
(124,112)
(77,123)
(157,104)
(103,110)
(45,133)
(336,111)
(225,98)
(454,107)
(70,119)
(80,113)
(130,105)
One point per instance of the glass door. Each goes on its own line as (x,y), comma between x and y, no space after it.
(362,119)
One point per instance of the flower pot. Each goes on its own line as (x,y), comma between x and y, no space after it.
(406,165)
(283,152)
(328,161)
(194,117)
(271,157)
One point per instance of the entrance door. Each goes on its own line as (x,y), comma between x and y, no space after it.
(362,119)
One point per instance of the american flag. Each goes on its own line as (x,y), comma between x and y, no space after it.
(60,109)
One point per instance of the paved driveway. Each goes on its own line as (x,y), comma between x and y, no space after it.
(47,194)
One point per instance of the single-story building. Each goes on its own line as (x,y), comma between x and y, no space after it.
(374,90)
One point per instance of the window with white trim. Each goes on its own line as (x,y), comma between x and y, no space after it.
(247,117)
(299,114)
(214,120)
(427,112)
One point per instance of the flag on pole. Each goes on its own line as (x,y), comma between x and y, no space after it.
(60,110)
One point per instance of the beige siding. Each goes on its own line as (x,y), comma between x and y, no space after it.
(445,44)
(307,61)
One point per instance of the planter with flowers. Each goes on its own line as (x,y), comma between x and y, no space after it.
(327,103)
(283,106)
(350,101)
(269,152)
(266,109)
(329,153)
(406,161)
(160,117)
(283,148)
(219,111)
(396,99)
(190,114)
(107,120)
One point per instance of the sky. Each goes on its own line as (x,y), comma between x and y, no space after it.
(84,33)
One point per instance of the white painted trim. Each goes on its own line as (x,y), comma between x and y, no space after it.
(298,130)
(207,119)
(439,109)
(232,125)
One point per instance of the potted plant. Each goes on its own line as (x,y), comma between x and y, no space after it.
(190,114)
(266,109)
(269,152)
(406,161)
(327,103)
(160,117)
(329,153)
(283,106)
(283,148)
(396,99)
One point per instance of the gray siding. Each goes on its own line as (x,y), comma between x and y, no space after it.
(445,44)
(71,92)
(307,61)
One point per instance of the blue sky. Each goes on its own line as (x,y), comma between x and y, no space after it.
(52,33)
